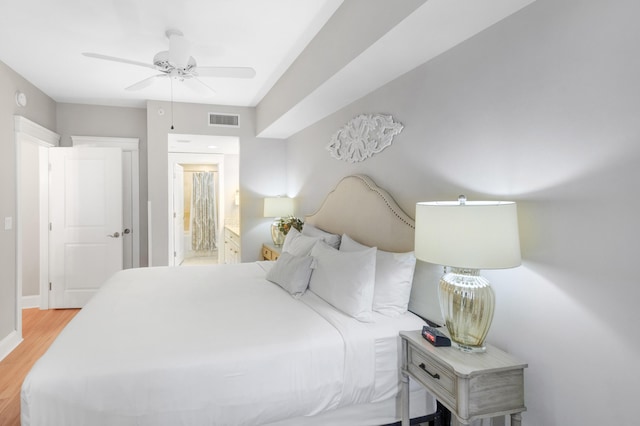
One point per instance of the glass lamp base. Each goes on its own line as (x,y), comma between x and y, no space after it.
(467,303)
(467,348)
(276,235)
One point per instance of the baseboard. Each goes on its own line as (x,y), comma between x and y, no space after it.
(31,301)
(9,343)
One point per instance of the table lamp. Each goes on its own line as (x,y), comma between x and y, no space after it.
(277,207)
(467,236)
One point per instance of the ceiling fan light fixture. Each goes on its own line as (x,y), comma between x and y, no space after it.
(163,62)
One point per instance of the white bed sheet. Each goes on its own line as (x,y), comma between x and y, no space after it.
(380,362)
(207,345)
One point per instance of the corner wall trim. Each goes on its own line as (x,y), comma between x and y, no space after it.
(9,343)
(31,301)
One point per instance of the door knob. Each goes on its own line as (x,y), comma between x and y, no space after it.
(114,235)
(126,231)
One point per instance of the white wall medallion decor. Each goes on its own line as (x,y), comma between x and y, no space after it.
(363,136)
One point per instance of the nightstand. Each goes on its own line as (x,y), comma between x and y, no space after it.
(270,252)
(470,385)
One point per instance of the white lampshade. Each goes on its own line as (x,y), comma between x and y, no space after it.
(278,206)
(475,235)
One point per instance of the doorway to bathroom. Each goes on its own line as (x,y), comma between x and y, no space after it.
(203,182)
(200,213)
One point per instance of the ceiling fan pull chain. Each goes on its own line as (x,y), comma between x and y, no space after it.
(171,81)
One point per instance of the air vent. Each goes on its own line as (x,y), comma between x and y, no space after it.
(224,120)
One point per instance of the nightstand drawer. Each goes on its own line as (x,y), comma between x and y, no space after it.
(266,253)
(269,252)
(232,236)
(433,375)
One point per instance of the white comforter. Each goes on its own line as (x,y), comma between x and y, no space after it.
(205,345)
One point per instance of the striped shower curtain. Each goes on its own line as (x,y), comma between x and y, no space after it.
(204,214)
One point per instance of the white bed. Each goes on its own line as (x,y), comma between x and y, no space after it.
(222,345)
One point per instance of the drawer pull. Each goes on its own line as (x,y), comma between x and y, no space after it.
(424,367)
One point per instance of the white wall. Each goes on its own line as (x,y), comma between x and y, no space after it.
(262,169)
(232,184)
(542,109)
(29,199)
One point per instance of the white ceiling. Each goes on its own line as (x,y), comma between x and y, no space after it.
(42,40)
(203,144)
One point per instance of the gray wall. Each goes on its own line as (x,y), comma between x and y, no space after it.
(29,199)
(107,121)
(262,170)
(542,109)
(42,110)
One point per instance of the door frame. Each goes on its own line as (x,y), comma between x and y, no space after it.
(31,132)
(195,158)
(127,145)
(176,260)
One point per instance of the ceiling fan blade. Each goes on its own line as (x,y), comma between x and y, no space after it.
(225,72)
(114,59)
(179,49)
(146,82)
(197,85)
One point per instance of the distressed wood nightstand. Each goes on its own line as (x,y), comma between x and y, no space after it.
(270,252)
(470,385)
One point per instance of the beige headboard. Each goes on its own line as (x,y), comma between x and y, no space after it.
(367,213)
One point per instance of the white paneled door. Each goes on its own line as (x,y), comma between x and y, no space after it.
(178,214)
(85,211)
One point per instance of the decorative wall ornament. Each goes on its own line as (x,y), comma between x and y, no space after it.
(363,136)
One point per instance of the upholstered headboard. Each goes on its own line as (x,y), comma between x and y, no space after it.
(367,213)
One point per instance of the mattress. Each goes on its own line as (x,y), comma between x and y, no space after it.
(209,345)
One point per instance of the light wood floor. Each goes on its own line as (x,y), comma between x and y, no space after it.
(39,329)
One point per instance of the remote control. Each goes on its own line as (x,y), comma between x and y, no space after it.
(435,336)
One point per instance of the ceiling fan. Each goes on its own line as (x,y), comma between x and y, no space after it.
(177,63)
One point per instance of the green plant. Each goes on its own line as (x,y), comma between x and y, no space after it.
(286,223)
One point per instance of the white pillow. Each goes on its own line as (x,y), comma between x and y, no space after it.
(292,273)
(394,277)
(298,244)
(344,279)
(332,239)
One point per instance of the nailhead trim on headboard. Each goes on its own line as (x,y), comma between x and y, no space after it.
(337,214)
(389,201)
